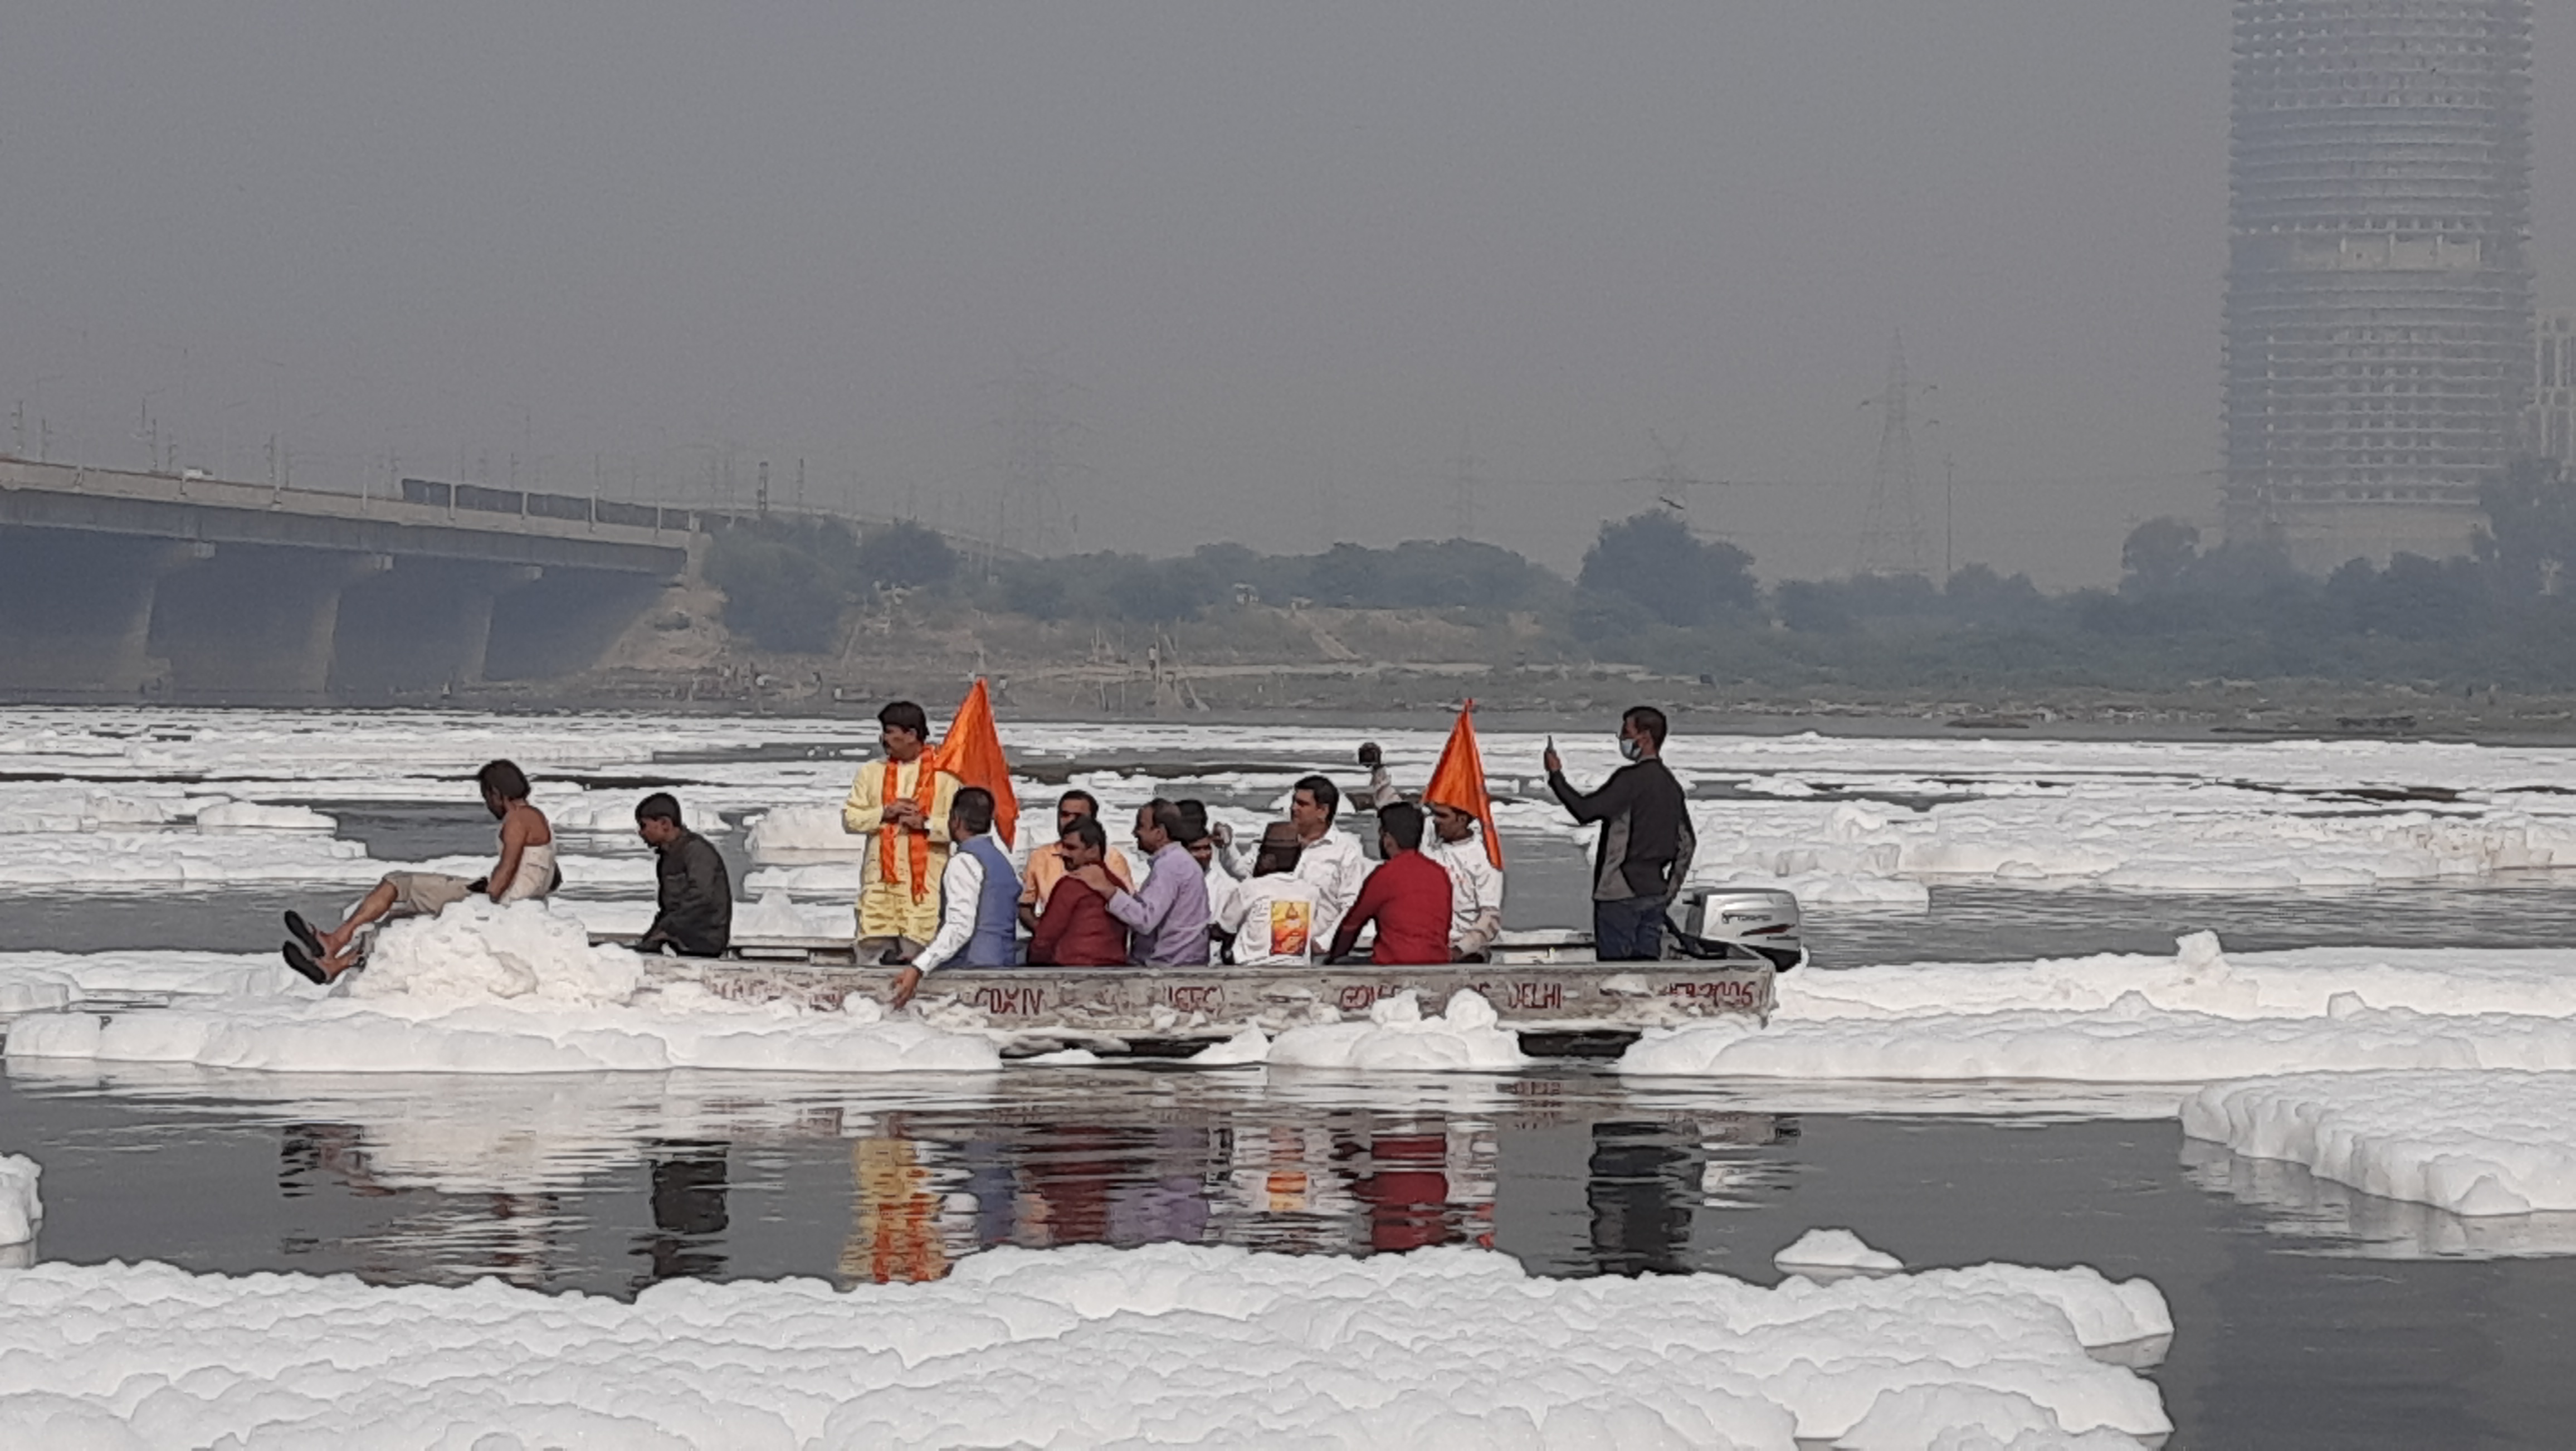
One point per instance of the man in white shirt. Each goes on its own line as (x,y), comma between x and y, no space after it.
(1458,844)
(1273,916)
(1329,861)
(979,897)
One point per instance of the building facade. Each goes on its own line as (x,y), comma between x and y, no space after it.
(2551,432)
(2379,313)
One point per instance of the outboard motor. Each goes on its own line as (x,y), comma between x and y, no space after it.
(1738,924)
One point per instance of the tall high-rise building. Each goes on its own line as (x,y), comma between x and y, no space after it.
(2379,326)
(2552,429)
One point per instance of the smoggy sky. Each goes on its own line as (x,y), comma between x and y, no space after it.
(1282,260)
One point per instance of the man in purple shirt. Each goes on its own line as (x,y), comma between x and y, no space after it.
(1167,918)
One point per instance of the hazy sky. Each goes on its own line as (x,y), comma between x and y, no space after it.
(1285,257)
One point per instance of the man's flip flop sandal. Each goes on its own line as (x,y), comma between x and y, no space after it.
(302,961)
(303,932)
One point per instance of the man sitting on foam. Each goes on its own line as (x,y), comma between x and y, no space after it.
(526,871)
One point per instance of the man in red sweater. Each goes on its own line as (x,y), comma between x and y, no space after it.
(1076,929)
(1407,897)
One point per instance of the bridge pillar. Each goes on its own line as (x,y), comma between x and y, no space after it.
(564,621)
(420,626)
(256,623)
(76,611)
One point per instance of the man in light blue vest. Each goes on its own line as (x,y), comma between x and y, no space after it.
(979,899)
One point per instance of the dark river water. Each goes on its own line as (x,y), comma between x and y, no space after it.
(2288,1332)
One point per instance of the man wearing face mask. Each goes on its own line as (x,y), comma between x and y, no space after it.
(1646,840)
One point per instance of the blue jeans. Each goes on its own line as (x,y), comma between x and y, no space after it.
(1629,931)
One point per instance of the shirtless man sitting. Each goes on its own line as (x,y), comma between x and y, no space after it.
(526,871)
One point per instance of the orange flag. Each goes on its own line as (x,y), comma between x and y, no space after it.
(1459,781)
(972,752)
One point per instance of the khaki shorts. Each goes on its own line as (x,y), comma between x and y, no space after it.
(426,894)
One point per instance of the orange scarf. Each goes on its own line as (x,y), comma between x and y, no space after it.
(925,791)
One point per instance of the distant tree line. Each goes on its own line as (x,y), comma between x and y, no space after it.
(1652,592)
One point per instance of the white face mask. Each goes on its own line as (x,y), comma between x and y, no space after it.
(1632,748)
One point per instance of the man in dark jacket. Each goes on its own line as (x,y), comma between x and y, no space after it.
(1646,840)
(695,891)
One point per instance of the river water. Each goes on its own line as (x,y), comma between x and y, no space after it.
(2300,1320)
(2306,1315)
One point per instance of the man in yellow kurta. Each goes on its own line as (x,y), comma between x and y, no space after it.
(905,820)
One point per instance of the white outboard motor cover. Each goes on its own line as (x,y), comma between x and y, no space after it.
(1741,924)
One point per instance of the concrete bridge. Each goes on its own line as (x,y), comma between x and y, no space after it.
(115,585)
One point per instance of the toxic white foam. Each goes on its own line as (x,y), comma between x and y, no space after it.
(1168,1344)
(1395,1038)
(2196,1017)
(35,981)
(222,814)
(793,833)
(1836,1250)
(180,859)
(21,1210)
(2480,1144)
(479,951)
(488,989)
(2295,1203)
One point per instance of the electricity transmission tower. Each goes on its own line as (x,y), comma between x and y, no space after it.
(1892,535)
(1466,483)
(1030,515)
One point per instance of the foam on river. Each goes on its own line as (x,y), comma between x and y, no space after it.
(489,989)
(2478,1145)
(1084,1347)
(21,1210)
(2198,1016)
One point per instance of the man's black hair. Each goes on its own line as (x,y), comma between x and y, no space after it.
(1090,803)
(1166,816)
(1194,821)
(1326,794)
(1648,720)
(903,715)
(660,806)
(1088,831)
(974,808)
(504,781)
(1402,820)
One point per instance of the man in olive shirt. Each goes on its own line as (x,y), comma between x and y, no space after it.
(695,891)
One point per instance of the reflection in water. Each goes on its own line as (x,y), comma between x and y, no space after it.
(611,1183)
(896,1229)
(1641,1189)
(2343,1221)
(443,1238)
(688,1213)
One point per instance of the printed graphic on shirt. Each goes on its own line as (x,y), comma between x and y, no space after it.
(1292,925)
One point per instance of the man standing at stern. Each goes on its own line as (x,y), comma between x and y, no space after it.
(1646,840)
(902,806)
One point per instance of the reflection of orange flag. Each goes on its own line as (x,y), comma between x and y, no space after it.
(972,753)
(1459,781)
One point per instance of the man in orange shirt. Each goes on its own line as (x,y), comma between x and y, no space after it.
(1046,864)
